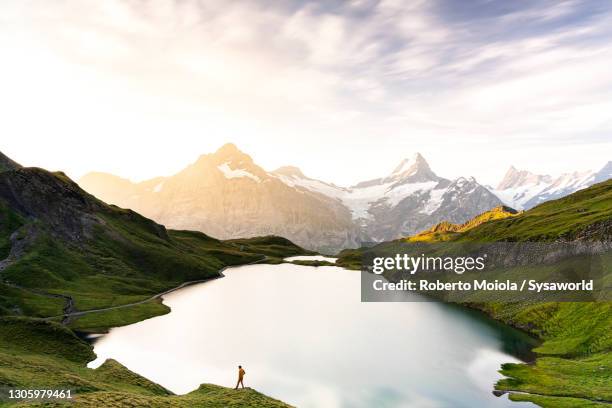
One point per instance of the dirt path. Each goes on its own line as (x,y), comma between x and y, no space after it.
(68,307)
(70,311)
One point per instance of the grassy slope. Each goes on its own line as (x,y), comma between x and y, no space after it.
(101,256)
(117,258)
(563,218)
(574,368)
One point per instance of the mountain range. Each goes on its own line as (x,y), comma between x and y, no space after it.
(227,195)
(522,190)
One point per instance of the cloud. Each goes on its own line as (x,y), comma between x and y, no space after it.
(363,70)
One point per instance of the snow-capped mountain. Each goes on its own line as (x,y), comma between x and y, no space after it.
(406,201)
(410,176)
(518,187)
(523,190)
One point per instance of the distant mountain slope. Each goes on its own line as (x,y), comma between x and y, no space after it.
(523,190)
(227,195)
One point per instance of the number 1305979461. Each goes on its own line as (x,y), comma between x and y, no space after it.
(36,394)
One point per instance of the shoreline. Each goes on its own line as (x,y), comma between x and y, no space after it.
(522,354)
(66,317)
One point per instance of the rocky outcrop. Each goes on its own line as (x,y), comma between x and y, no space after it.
(60,205)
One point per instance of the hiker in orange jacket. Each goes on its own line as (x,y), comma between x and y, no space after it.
(241,374)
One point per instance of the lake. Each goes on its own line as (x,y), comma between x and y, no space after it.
(304,337)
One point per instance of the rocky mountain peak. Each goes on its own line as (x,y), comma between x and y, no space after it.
(517,178)
(227,154)
(462,182)
(412,170)
(228,149)
(6,164)
(411,165)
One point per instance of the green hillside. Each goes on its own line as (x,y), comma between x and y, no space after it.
(60,243)
(586,214)
(64,252)
(574,364)
(36,354)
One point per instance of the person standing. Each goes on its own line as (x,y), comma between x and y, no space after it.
(241,374)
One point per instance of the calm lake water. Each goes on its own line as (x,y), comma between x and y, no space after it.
(311,258)
(304,337)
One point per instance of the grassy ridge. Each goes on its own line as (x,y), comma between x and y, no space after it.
(574,368)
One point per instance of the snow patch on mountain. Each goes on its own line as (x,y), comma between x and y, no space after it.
(230,173)
(397,194)
(359,200)
(517,197)
(316,186)
(158,187)
(436,198)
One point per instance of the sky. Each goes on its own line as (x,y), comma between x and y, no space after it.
(342,89)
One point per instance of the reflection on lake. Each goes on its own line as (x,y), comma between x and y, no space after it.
(311,258)
(304,337)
